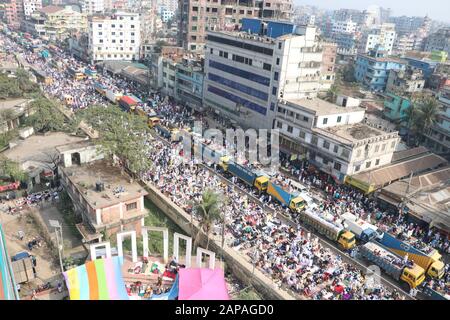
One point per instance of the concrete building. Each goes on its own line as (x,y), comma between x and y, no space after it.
(196,17)
(333,138)
(16,111)
(189,83)
(427,66)
(246,73)
(347,26)
(114,37)
(30,6)
(14,13)
(407,25)
(372,70)
(395,106)
(347,43)
(327,72)
(382,36)
(403,44)
(156,64)
(92,6)
(171,5)
(406,81)
(107,199)
(438,136)
(439,41)
(166,14)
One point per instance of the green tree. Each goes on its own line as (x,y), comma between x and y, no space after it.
(429,110)
(411,117)
(11,169)
(45,117)
(208,210)
(120,134)
(332,93)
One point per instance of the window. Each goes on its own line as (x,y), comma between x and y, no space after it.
(113,41)
(325,121)
(195,9)
(194,28)
(345,153)
(99,25)
(101,40)
(121,41)
(279,125)
(99,48)
(267,67)
(335,149)
(278,61)
(113,26)
(100,33)
(357,168)
(306,119)
(339,118)
(236,99)
(377,147)
(314,140)
(337,166)
(121,48)
(211,51)
(274,91)
(326,144)
(214,10)
(368,163)
(237,86)
(272,106)
(225,55)
(132,41)
(239,72)
(302,134)
(240,44)
(113,33)
(290,129)
(279,45)
(131,206)
(377,162)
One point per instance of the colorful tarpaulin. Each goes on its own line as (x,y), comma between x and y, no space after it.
(100,279)
(202,284)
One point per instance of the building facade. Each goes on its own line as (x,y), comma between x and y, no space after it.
(439,41)
(328,72)
(30,6)
(246,74)
(395,106)
(406,81)
(92,6)
(372,70)
(114,37)
(332,137)
(382,37)
(189,83)
(197,17)
(14,13)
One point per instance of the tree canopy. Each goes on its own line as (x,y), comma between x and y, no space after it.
(46,118)
(11,169)
(422,114)
(120,134)
(208,210)
(17,86)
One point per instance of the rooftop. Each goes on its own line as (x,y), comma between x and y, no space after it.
(40,147)
(51,9)
(118,186)
(13,104)
(383,59)
(321,107)
(352,132)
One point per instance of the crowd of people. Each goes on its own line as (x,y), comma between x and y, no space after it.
(284,251)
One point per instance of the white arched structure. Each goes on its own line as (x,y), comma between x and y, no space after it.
(212,257)
(94,247)
(145,239)
(120,237)
(176,243)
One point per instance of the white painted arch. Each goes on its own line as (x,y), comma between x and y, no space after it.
(212,257)
(94,247)
(145,239)
(176,248)
(120,238)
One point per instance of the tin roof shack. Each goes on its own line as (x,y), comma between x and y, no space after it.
(23,270)
(107,199)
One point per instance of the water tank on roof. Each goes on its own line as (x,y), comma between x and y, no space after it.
(99,186)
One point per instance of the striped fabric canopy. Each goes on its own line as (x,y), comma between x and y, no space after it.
(100,279)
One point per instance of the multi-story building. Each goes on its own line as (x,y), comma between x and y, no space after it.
(439,41)
(92,6)
(170,5)
(372,70)
(383,36)
(395,106)
(403,44)
(196,17)
(328,65)
(246,72)
(56,23)
(114,37)
(426,65)
(333,138)
(189,83)
(106,199)
(166,14)
(407,25)
(14,13)
(156,60)
(347,26)
(169,67)
(347,43)
(409,80)
(437,138)
(30,6)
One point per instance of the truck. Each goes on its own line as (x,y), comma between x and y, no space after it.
(127,103)
(290,200)
(253,179)
(112,96)
(101,89)
(408,273)
(428,258)
(362,230)
(333,230)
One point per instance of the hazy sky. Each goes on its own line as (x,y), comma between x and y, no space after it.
(436,9)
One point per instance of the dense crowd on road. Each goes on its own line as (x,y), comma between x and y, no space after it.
(284,251)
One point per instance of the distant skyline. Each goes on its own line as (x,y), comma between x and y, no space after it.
(436,9)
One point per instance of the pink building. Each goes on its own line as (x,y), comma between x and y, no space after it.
(14,13)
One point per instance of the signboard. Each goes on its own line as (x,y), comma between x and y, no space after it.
(359,184)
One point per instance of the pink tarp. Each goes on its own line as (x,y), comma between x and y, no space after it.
(202,284)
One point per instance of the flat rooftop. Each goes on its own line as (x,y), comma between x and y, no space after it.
(12,104)
(118,187)
(352,132)
(40,147)
(321,107)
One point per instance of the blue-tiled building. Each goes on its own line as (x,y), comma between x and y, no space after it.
(372,70)
(427,66)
